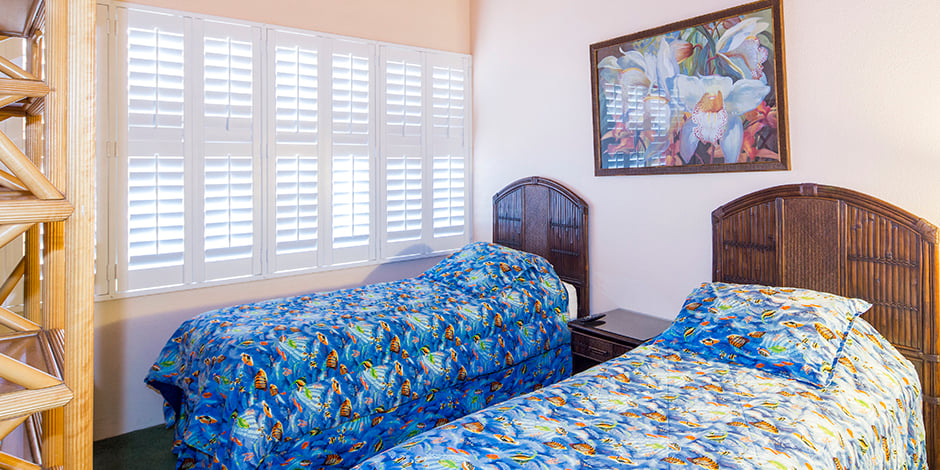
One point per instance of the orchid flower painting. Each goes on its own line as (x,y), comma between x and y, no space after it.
(704,94)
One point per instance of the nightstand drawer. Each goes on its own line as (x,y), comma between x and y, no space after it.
(617,332)
(595,348)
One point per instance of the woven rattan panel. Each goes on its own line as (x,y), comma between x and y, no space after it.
(544,217)
(841,241)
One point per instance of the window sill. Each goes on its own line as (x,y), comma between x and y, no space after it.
(262,277)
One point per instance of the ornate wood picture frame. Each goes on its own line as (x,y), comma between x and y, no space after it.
(705,94)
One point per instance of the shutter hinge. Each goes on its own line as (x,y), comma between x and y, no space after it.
(112,272)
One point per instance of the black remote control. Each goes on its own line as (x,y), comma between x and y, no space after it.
(591,318)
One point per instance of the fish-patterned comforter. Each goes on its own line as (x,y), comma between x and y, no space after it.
(315,379)
(657,407)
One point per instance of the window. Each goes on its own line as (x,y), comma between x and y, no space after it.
(244,151)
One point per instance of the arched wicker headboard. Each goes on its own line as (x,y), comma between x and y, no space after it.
(542,216)
(848,243)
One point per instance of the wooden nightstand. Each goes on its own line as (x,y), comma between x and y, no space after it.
(618,332)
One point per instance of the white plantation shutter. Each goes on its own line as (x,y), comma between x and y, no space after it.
(424,149)
(351,132)
(403,131)
(230,150)
(152,147)
(450,147)
(295,148)
(403,146)
(102,145)
(249,151)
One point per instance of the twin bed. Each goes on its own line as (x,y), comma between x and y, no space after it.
(332,378)
(809,385)
(669,406)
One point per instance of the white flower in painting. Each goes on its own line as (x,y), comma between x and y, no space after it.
(741,50)
(636,69)
(716,104)
(645,80)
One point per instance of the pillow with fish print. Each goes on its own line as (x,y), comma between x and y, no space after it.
(789,332)
(485,267)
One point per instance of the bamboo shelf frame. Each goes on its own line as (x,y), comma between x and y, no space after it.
(7,426)
(10,461)
(12,111)
(13,70)
(37,387)
(22,87)
(49,183)
(22,208)
(10,181)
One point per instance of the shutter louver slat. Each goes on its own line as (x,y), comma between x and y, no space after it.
(155,150)
(448,190)
(448,101)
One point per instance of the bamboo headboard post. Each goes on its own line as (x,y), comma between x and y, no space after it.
(541,216)
(851,244)
(931,325)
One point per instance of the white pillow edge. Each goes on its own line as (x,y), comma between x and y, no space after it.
(572,300)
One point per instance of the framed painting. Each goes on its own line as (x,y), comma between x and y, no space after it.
(701,95)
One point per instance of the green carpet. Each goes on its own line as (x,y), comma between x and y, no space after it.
(145,449)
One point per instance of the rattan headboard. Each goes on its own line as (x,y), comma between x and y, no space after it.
(542,216)
(848,243)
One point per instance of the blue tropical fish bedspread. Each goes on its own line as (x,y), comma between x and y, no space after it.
(332,378)
(668,405)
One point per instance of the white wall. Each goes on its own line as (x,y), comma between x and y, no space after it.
(863,101)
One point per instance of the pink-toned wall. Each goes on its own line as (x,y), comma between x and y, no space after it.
(435,24)
(863,101)
(129,333)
